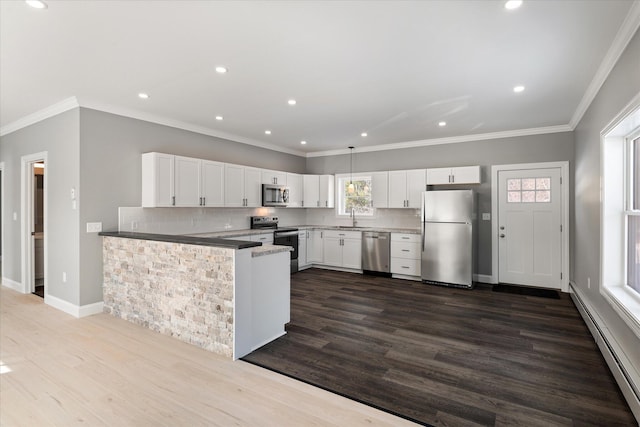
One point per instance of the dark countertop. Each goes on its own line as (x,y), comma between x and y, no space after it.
(188,240)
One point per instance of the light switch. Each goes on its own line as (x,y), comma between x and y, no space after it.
(94,227)
(486,216)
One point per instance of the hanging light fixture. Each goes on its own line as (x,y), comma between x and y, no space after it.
(351,188)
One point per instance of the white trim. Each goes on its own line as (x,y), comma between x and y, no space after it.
(38,116)
(450,140)
(26,184)
(564,174)
(2,209)
(626,374)
(12,284)
(483,278)
(77,311)
(625,34)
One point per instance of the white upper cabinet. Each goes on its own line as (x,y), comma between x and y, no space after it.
(212,183)
(186,181)
(406,187)
(380,189)
(459,175)
(318,191)
(242,186)
(157,180)
(274,177)
(295,184)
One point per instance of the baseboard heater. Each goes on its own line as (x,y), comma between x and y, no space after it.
(625,380)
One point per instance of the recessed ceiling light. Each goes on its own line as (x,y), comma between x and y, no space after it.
(363,134)
(143,95)
(219,117)
(303,142)
(518,89)
(513,4)
(442,124)
(291,102)
(268,132)
(36,4)
(221,70)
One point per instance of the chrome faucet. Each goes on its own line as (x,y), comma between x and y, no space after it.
(353,217)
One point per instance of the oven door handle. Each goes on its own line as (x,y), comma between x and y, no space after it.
(284,234)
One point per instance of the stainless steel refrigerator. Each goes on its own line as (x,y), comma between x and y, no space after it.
(448,242)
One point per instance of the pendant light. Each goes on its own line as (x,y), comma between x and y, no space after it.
(351,188)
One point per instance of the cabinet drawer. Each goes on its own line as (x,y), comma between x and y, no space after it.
(340,234)
(406,250)
(408,267)
(405,237)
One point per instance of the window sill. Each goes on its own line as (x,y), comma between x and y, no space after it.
(626,303)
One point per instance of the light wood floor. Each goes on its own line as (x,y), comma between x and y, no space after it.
(100,371)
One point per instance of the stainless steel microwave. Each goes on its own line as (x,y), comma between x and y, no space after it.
(275,195)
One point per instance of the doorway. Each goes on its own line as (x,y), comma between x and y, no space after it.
(34,224)
(530,227)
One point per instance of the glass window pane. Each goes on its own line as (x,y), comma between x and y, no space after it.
(513,197)
(513,184)
(529,184)
(633,261)
(543,196)
(543,183)
(528,196)
(635,164)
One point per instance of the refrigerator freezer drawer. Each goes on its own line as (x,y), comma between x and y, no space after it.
(447,254)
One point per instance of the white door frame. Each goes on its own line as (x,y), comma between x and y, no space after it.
(564,174)
(26,201)
(2,218)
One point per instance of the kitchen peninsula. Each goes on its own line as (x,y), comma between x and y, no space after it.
(226,296)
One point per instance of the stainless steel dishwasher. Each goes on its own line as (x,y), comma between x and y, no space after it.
(376,249)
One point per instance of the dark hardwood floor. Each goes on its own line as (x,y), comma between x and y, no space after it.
(446,356)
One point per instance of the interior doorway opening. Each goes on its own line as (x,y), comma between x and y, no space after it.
(38,228)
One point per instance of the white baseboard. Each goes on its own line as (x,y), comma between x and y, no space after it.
(483,278)
(626,375)
(72,309)
(12,284)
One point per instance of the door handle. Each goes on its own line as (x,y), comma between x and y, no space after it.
(502,227)
(502,236)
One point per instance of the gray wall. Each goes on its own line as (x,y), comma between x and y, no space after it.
(620,87)
(524,149)
(59,137)
(110,173)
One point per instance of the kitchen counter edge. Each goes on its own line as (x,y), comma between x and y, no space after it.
(189,240)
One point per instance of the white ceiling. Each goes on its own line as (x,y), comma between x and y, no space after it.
(393,69)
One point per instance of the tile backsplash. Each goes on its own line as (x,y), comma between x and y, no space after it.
(203,220)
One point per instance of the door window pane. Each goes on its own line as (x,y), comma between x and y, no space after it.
(543,196)
(529,184)
(513,184)
(513,197)
(543,183)
(528,196)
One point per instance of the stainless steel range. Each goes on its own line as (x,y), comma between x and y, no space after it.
(281,236)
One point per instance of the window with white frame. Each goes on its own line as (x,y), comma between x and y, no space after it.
(620,215)
(354,195)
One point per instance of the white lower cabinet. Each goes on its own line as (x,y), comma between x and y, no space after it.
(265,238)
(303,249)
(406,255)
(314,247)
(342,249)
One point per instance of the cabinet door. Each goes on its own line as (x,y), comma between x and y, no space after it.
(397,189)
(233,185)
(332,251)
(315,247)
(294,182)
(379,189)
(157,180)
(274,177)
(352,253)
(187,181)
(302,249)
(212,183)
(416,184)
(311,191)
(439,176)
(326,191)
(253,187)
(466,175)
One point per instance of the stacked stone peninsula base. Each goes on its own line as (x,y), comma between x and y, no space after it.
(225,300)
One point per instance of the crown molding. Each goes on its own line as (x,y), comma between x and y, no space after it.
(147,117)
(625,34)
(449,140)
(45,113)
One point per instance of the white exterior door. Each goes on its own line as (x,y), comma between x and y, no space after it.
(530,227)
